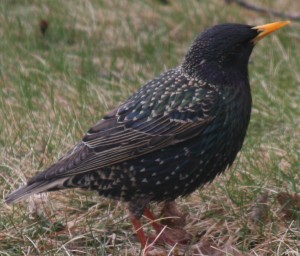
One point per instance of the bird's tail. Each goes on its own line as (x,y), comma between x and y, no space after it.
(34,188)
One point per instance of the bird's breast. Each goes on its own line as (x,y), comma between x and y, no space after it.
(224,137)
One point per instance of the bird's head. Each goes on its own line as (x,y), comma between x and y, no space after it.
(225,48)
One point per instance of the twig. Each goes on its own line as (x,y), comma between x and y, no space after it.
(264,10)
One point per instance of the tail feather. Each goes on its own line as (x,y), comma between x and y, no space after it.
(34,188)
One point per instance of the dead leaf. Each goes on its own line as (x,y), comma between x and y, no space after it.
(44,26)
(173,217)
(290,205)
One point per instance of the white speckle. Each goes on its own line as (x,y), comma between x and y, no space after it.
(191,82)
(186,150)
(131,168)
(157,160)
(153,113)
(153,174)
(176,187)
(167,178)
(158,182)
(202,152)
(177,156)
(173,173)
(161,162)
(145,180)
(132,179)
(142,170)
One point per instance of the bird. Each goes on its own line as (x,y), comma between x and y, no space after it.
(175,134)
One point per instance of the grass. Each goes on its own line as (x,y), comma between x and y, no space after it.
(53,87)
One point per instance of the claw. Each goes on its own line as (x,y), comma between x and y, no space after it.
(164,235)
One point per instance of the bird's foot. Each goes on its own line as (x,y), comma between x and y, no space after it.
(165,233)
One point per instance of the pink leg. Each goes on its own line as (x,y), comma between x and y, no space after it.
(158,227)
(139,230)
(162,234)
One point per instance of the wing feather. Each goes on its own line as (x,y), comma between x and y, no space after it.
(137,128)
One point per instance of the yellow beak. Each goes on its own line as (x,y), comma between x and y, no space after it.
(267,29)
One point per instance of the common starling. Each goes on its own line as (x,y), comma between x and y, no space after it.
(173,135)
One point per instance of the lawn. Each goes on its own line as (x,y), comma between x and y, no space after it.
(89,56)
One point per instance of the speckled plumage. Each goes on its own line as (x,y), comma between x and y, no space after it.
(165,141)
(172,136)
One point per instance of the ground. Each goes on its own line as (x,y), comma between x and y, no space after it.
(63,64)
